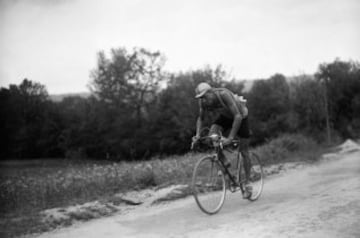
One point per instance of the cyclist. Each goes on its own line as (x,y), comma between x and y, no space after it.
(233,116)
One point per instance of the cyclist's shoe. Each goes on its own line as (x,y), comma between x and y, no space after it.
(247,191)
(255,176)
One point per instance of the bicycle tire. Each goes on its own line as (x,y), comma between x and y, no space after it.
(209,185)
(256,178)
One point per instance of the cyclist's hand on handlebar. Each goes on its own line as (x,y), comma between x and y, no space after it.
(227,141)
(195,139)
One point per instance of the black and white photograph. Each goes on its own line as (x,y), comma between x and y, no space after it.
(180,119)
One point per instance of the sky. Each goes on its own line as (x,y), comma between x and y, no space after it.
(55,42)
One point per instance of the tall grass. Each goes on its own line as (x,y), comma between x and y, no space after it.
(288,147)
(26,190)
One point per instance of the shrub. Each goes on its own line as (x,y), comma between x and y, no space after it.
(279,149)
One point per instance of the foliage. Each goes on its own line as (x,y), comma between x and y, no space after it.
(308,103)
(40,185)
(279,149)
(127,85)
(137,111)
(342,82)
(23,116)
(269,107)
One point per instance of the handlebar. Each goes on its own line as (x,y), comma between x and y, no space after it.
(217,140)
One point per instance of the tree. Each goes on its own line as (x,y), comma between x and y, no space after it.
(23,111)
(269,107)
(127,85)
(128,80)
(341,80)
(308,103)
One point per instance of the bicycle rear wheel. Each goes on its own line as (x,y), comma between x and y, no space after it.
(256,178)
(208,185)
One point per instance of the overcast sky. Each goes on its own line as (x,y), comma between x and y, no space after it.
(55,42)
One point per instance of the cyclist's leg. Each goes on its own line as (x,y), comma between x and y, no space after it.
(247,167)
(220,125)
(244,134)
(216,129)
(244,145)
(219,130)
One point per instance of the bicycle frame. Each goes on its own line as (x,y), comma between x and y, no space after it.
(234,185)
(235,181)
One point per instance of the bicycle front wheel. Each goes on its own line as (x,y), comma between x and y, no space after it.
(208,185)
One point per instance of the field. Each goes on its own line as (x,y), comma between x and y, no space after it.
(26,188)
(39,185)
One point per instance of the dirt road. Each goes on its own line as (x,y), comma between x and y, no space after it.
(321,200)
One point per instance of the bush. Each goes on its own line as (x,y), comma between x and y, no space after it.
(279,149)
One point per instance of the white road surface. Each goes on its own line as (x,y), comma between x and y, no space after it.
(321,200)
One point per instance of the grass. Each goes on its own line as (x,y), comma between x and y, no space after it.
(289,148)
(27,189)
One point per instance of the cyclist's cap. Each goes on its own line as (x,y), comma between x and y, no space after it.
(201,89)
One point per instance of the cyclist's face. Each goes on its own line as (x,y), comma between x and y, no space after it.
(208,100)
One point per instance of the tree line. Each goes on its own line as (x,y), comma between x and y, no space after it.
(136,110)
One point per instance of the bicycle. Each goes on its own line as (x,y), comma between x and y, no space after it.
(211,177)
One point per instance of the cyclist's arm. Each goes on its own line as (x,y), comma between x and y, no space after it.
(230,102)
(200,119)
